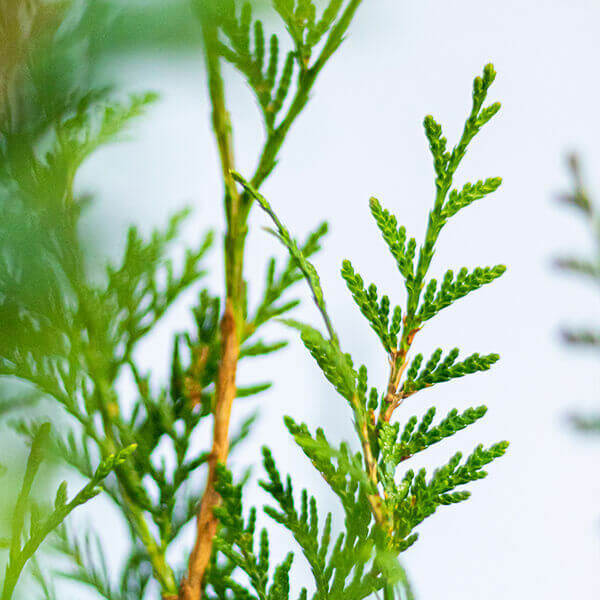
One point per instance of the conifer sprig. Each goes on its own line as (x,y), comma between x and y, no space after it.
(243,550)
(74,338)
(76,344)
(281,85)
(26,538)
(87,565)
(277,283)
(394,509)
(446,204)
(306,267)
(233,35)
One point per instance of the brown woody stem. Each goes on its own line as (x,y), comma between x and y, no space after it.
(237,208)
(206,524)
(231,322)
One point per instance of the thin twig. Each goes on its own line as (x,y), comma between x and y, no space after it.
(237,209)
(231,322)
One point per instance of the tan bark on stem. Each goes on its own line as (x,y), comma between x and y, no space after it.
(206,523)
(236,211)
(398,364)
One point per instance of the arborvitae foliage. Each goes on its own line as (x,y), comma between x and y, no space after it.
(31,523)
(583,337)
(383,499)
(72,334)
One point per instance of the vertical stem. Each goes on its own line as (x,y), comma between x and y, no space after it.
(206,524)
(237,208)
(388,593)
(231,323)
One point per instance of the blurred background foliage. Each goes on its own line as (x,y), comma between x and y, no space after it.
(55,57)
(56,60)
(59,60)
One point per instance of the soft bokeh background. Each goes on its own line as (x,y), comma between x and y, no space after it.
(532,529)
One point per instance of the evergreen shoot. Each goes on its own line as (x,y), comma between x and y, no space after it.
(32,523)
(385,501)
(72,330)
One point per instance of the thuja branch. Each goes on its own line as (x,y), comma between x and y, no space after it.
(237,208)
(231,323)
(314,283)
(22,547)
(306,80)
(75,345)
(396,508)
(445,164)
(103,375)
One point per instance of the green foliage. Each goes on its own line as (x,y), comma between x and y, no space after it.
(454,288)
(134,296)
(377,312)
(281,80)
(260,65)
(72,335)
(438,372)
(87,565)
(269,71)
(277,283)
(339,565)
(417,498)
(395,238)
(75,332)
(336,366)
(244,551)
(281,233)
(26,537)
(398,447)
(383,507)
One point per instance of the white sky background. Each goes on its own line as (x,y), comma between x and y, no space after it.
(532,529)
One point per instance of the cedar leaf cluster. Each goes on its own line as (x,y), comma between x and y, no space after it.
(73,339)
(384,501)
